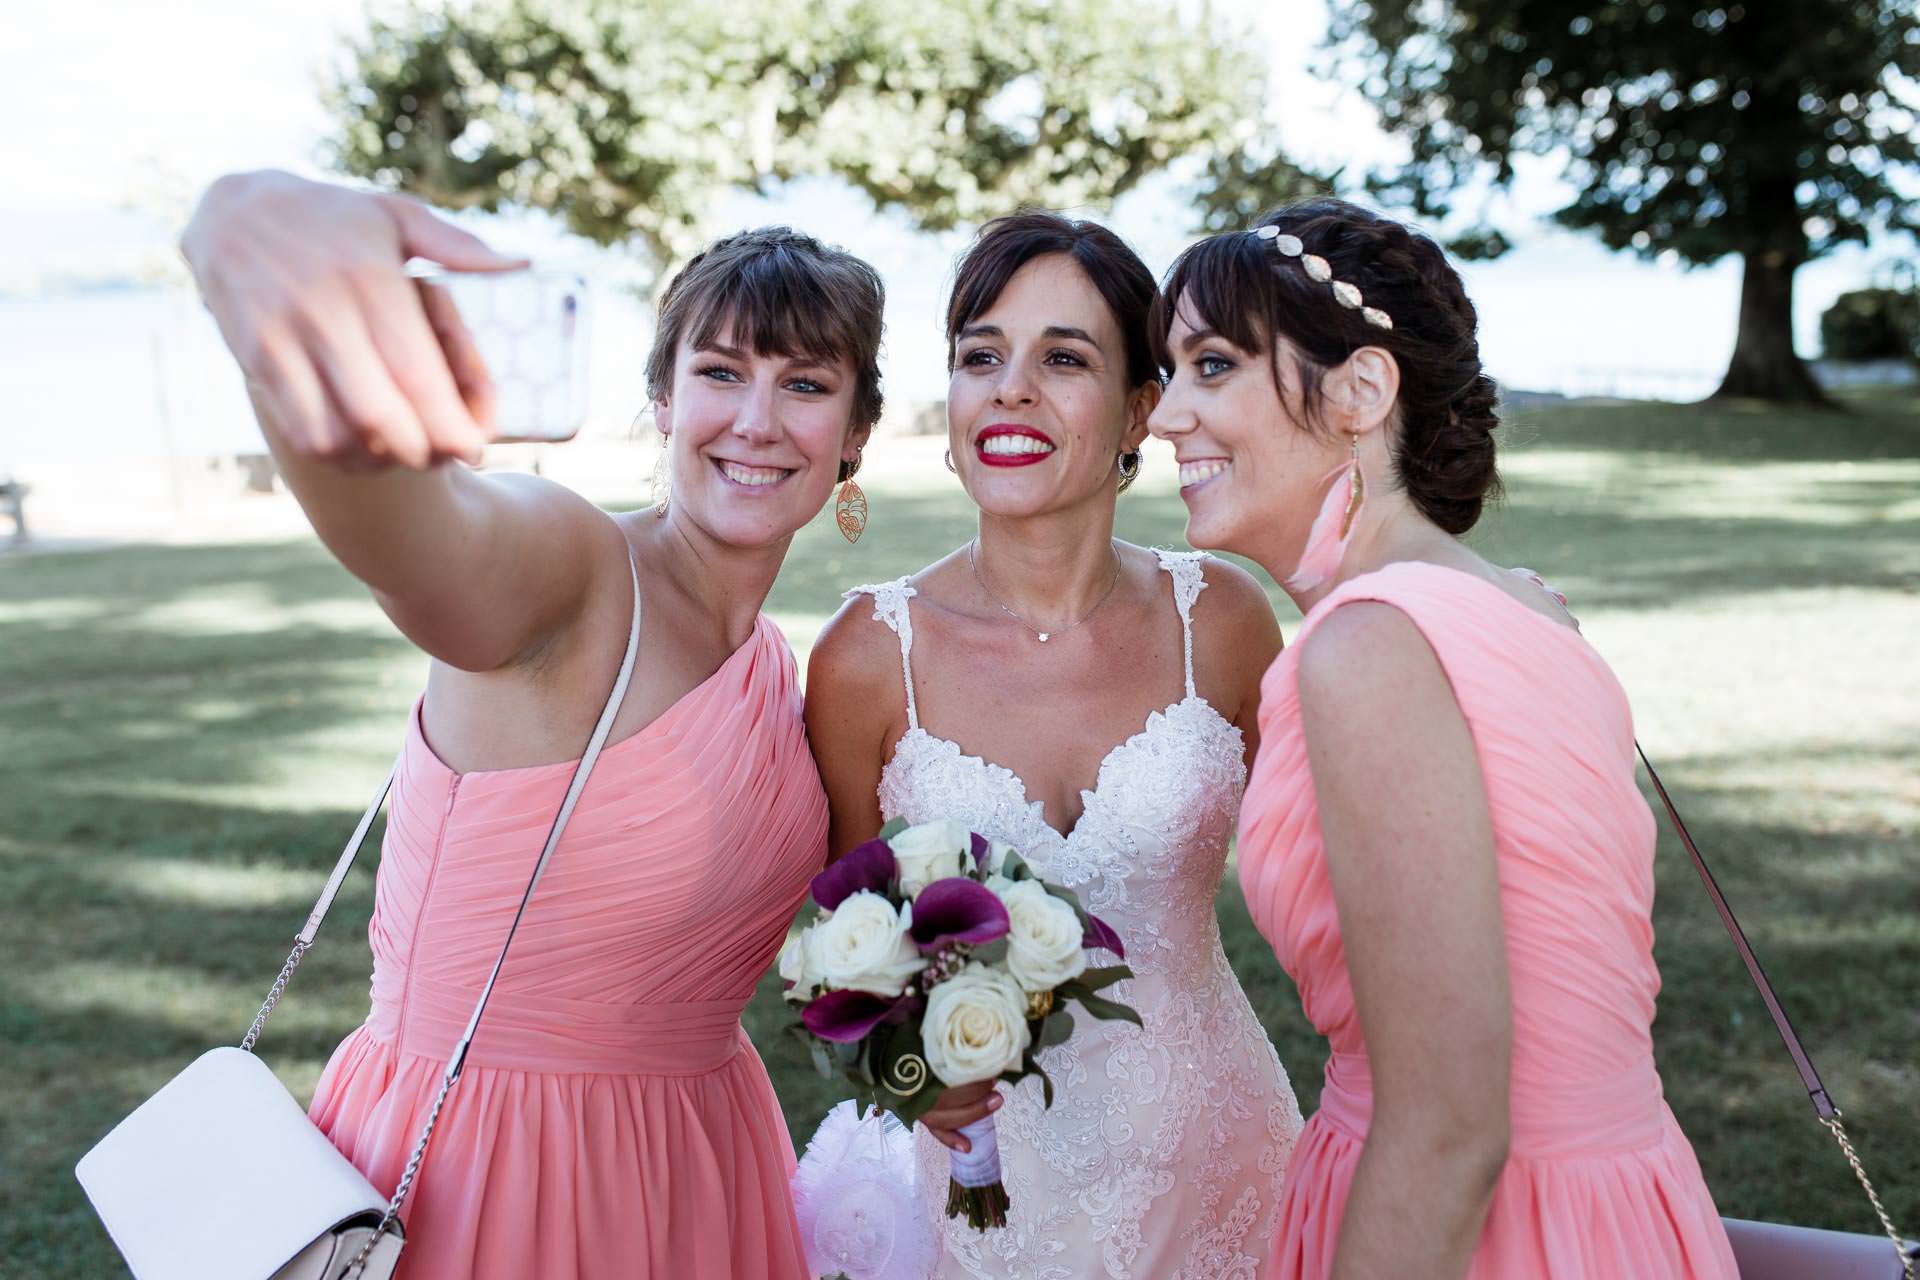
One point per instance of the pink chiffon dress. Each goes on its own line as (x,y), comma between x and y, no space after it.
(613,1120)
(1601,1184)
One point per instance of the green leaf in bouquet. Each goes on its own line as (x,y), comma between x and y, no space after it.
(914,1105)
(822,1060)
(1014,867)
(1046,1084)
(893,829)
(1072,899)
(898,1063)
(991,953)
(1056,1029)
(1109,1010)
(1103,977)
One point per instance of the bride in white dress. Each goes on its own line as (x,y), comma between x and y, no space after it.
(1092,704)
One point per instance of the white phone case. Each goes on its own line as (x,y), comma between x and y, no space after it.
(531,330)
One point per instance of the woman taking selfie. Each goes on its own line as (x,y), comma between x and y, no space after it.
(1092,704)
(613,1120)
(1442,837)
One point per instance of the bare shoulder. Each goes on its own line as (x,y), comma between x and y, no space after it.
(1233,593)
(1233,619)
(1364,651)
(856,659)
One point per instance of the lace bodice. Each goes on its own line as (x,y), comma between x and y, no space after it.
(1161,1156)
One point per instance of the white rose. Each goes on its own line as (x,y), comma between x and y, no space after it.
(931,851)
(799,964)
(1043,937)
(863,946)
(975,1026)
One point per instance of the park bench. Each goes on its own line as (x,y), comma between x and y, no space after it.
(13,501)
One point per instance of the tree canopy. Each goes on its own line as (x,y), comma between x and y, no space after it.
(628,119)
(1704,127)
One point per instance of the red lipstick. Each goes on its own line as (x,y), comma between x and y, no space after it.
(1013,449)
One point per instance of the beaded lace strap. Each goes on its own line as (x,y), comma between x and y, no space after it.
(890,606)
(1189,580)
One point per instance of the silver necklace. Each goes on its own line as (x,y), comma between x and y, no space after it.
(974,563)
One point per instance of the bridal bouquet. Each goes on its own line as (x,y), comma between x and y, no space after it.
(939,959)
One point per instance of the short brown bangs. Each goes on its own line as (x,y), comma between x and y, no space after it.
(774,308)
(1227,285)
(776,292)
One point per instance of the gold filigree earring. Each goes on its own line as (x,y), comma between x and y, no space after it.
(850,504)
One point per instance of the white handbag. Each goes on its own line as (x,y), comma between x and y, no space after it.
(221,1175)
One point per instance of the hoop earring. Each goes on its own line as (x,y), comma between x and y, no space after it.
(1129,473)
(663,477)
(1327,540)
(949,457)
(850,510)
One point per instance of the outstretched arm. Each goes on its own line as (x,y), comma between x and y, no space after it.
(367,391)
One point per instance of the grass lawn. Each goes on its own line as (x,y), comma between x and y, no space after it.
(187,733)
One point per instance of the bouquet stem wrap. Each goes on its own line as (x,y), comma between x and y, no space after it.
(975,1188)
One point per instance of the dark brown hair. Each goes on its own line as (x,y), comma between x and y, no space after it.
(780,293)
(1006,244)
(1242,288)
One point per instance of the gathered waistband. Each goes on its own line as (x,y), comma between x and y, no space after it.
(1618,1111)
(552,1034)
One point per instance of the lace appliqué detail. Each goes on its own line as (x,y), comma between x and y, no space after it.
(1162,1155)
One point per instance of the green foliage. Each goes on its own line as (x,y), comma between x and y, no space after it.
(1241,184)
(1700,126)
(1872,324)
(627,119)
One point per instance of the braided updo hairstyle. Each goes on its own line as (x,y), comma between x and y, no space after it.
(1238,285)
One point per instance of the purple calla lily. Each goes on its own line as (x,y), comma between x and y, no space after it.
(981,850)
(868,866)
(846,1016)
(1100,934)
(956,910)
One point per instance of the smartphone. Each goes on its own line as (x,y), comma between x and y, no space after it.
(530,327)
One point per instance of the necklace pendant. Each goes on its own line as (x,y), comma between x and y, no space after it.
(1044,635)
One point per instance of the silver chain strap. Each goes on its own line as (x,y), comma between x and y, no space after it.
(405,1187)
(1873,1197)
(274,993)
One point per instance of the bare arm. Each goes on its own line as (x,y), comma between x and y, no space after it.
(366,393)
(1409,847)
(855,705)
(1239,613)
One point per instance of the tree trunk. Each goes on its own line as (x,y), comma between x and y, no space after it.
(1765,366)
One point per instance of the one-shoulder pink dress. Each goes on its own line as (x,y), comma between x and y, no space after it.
(1600,1184)
(613,1120)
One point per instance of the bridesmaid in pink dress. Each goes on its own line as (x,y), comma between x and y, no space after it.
(1442,836)
(613,1120)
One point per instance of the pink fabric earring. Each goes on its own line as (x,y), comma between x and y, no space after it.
(1327,540)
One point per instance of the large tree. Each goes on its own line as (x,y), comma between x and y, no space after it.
(628,119)
(1768,129)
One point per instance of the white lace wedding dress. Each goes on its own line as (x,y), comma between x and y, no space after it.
(1162,1155)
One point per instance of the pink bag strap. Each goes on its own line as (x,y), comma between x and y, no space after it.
(1802,1062)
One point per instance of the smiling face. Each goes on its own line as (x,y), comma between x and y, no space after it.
(756,439)
(1038,408)
(1252,473)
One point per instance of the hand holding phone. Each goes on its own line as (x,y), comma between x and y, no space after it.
(516,342)
(306,283)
